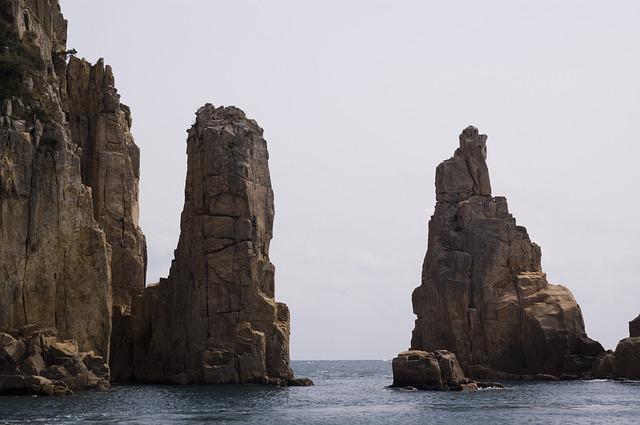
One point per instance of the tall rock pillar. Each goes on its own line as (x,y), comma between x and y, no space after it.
(215,318)
(483,294)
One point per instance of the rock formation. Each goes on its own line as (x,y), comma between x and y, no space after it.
(55,260)
(214,320)
(483,294)
(634,327)
(111,167)
(436,371)
(34,361)
(68,184)
(624,363)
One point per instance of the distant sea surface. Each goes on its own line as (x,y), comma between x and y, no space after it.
(346,392)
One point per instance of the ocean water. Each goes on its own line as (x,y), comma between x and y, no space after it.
(346,392)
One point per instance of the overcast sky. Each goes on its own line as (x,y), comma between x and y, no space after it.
(360,101)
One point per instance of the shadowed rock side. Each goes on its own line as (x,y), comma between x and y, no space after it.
(54,258)
(624,363)
(214,319)
(483,294)
(437,371)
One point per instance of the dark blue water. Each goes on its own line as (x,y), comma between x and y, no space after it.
(346,392)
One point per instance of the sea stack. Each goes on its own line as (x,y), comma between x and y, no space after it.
(215,320)
(483,295)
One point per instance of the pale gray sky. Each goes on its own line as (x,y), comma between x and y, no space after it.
(360,101)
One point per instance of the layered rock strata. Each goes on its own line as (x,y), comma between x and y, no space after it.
(34,361)
(215,320)
(483,294)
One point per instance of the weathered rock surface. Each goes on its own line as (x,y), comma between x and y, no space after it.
(214,320)
(627,361)
(484,296)
(432,371)
(55,262)
(111,167)
(634,327)
(34,361)
(605,366)
(424,370)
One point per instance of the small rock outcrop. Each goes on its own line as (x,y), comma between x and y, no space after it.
(34,361)
(624,363)
(430,371)
(484,296)
(215,320)
(627,358)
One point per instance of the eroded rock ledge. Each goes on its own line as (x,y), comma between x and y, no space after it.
(483,295)
(215,320)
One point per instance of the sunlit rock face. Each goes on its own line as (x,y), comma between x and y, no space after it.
(55,261)
(215,319)
(483,294)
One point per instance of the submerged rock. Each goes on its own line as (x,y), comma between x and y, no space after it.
(484,296)
(215,320)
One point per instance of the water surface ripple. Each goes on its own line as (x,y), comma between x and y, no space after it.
(346,392)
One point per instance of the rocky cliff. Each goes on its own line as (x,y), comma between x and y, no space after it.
(68,184)
(215,319)
(483,294)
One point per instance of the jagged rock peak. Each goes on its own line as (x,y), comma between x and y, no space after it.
(466,173)
(483,294)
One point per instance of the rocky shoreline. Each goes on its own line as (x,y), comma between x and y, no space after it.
(75,313)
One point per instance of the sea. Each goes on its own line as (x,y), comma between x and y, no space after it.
(345,392)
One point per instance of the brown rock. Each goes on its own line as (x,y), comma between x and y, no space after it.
(605,366)
(11,351)
(634,327)
(434,371)
(55,264)
(627,360)
(110,158)
(215,319)
(483,294)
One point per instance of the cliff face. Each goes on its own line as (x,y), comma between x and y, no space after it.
(111,167)
(214,319)
(68,184)
(483,294)
(55,261)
